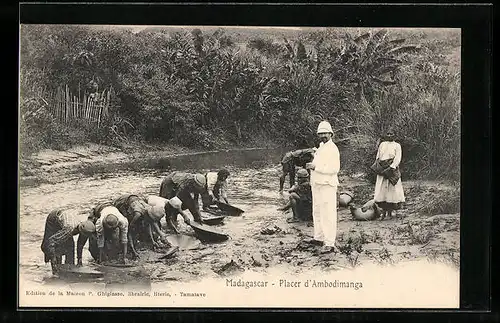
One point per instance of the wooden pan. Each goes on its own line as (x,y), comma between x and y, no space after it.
(117,264)
(208,233)
(212,220)
(229,209)
(80,272)
(183,241)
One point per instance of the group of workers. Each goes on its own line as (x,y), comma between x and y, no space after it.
(112,226)
(315,193)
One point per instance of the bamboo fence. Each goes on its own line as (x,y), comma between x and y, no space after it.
(91,108)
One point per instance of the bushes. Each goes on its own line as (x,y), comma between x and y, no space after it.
(425,109)
(207,91)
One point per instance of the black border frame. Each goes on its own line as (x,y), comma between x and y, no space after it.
(476,22)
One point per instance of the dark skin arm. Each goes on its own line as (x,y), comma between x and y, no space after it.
(191,204)
(131,230)
(101,255)
(171,214)
(153,226)
(291,175)
(170,222)
(284,172)
(125,245)
(150,235)
(182,213)
(163,236)
(70,254)
(131,243)
(55,263)
(219,195)
(156,228)
(82,239)
(196,208)
(55,260)
(185,216)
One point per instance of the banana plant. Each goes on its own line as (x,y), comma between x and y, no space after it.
(298,54)
(370,61)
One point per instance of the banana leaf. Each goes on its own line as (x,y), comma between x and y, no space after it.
(404,49)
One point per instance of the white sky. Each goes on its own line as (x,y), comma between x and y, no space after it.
(137,28)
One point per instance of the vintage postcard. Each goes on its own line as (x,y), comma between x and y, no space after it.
(223,166)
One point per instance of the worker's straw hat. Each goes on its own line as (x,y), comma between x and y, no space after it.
(200,180)
(302,173)
(86,227)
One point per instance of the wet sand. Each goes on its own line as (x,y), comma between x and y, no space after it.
(409,236)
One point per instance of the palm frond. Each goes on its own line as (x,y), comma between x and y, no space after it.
(404,49)
(362,37)
(288,47)
(375,42)
(383,82)
(398,41)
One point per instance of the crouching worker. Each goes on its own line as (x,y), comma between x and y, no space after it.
(111,233)
(138,213)
(292,159)
(182,185)
(60,227)
(300,199)
(159,208)
(216,187)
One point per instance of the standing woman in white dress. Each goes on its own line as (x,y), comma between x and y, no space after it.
(389,194)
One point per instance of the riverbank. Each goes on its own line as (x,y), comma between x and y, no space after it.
(426,230)
(261,239)
(52,166)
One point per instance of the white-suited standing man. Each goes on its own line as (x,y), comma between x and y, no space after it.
(324,182)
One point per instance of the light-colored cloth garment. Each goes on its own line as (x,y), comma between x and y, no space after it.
(154,200)
(160,202)
(384,190)
(327,164)
(212,180)
(325,213)
(324,182)
(122,225)
(60,226)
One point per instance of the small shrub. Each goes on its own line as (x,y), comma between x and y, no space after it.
(353,259)
(442,202)
(376,236)
(421,236)
(385,256)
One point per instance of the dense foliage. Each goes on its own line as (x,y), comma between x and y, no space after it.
(211,89)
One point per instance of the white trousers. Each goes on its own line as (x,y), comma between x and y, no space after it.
(325,213)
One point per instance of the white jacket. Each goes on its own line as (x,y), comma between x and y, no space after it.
(326,164)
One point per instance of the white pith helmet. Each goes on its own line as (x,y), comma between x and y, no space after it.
(324,126)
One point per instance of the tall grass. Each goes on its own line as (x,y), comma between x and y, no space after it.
(207,90)
(424,109)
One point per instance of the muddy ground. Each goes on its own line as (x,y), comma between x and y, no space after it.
(411,235)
